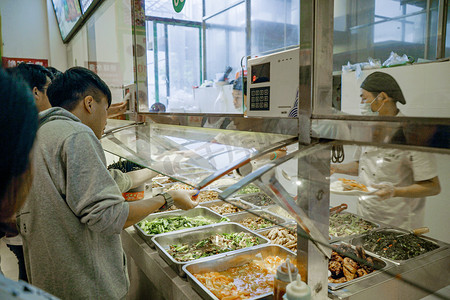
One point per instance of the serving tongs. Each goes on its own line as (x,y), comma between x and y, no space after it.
(338,209)
(417,232)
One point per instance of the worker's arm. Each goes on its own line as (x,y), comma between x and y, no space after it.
(351,168)
(418,189)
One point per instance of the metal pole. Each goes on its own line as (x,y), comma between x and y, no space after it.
(427,32)
(442,26)
(155,60)
(315,90)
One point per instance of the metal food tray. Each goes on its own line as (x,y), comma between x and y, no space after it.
(274,209)
(290,225)
(360,240)
(239,203)
(348,237)
(238,217)
(195,212)
(380,266)
(236,194)
(229,260)
(248,198)
(164,240)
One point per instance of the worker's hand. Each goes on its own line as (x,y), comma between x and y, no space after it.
(385,190)
(182,198)
(333,169)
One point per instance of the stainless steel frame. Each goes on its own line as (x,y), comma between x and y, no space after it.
(315,77)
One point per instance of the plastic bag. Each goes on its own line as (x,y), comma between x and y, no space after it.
(396,60)
(358,67)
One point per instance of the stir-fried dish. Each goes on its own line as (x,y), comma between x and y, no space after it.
(343,224)
(225,208)
(215,244)
(344,268)
(255,223)
(250,280)
(249,189)
(392,246)
(260,199)
(283,237)
(172,223)
(352,185)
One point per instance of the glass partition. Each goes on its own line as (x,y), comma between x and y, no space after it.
(275,25)
(384,60)
(194,156)
(277,202)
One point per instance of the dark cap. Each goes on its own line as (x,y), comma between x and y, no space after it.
(378,82)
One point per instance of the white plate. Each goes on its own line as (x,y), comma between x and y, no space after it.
(337,188)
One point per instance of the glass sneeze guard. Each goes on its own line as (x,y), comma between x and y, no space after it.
(194,156)
(279,180)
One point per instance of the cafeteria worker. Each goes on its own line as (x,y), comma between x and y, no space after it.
(403,178)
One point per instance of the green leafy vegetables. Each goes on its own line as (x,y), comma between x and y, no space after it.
(344,224)
(249,189)
(215,244)
(168,224)
(390,245)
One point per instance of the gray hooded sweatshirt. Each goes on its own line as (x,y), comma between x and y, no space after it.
(72,219)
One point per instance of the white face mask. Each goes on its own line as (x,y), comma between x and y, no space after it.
(366,108)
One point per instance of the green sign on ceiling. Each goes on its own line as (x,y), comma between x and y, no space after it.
(178,5)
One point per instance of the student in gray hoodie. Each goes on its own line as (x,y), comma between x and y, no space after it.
(74,214)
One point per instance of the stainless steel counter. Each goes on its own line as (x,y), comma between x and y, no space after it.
(150,276)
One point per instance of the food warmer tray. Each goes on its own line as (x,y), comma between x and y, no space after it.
(276,209)
(380,264)
(256,198)
(225,261)
(238,217)
(164,240)
(289,225)
(238,202)
(334,239)
(360,240)
(195,212)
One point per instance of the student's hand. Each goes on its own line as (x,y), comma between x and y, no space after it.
(117,109)
(182,198)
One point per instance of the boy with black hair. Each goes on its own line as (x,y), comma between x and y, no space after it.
(72,220)
(38,78)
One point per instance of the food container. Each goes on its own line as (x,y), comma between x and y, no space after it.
(280,211)
(163,241)
(197,211)
(259,199)
(223,183)
(247,190)
(361,239)
(205,195)
(348,231)
(229,260)
(163,180)
(282,241)
(239,217)
(380,265)
(237,202)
